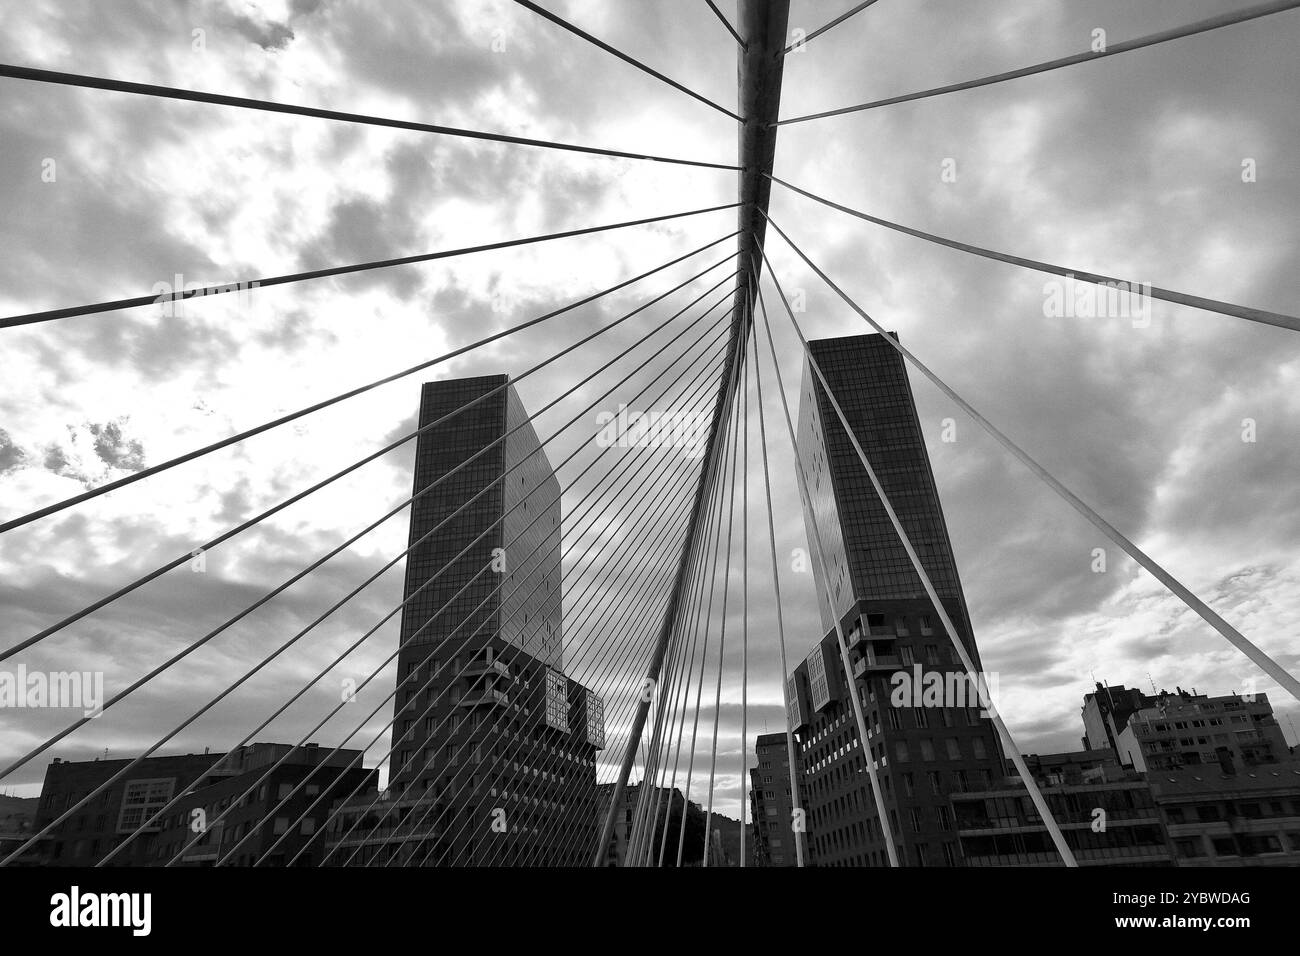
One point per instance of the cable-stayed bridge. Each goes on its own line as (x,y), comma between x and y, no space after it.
(509,744)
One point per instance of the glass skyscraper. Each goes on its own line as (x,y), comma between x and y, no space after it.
(494,746)
(513,568)
(927,733)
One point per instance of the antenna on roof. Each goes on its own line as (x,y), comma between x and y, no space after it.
(1109,696)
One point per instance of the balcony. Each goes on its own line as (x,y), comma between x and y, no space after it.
(487,667)
(876,662)
(485,698)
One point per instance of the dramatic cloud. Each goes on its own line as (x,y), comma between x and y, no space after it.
(1181,431)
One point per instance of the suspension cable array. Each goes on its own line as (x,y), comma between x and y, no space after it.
(560,626)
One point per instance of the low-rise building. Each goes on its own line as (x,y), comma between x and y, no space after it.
(1188,730)
(1231,815)
(1106,814)
(111,816)
(253,812)
(670,804)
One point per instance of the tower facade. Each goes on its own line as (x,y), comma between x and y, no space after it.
(507,581)
(772,804)
(494,746)
(927,733)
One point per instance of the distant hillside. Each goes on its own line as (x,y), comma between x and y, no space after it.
(10,805)
(17,811)
(731,839)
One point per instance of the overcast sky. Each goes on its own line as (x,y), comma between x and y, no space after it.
(1131,166)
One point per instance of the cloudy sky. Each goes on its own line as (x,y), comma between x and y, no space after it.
(1131,166)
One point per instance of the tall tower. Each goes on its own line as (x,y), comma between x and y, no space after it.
(927,732)
(486,720)
(517,517)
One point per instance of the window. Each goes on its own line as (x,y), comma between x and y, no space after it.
(280,826)
(1261,843)
(954,749)
(557,697)
(927,749)
(141,799)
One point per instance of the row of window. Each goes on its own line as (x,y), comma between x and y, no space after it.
(1241,845)
(1250,809)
